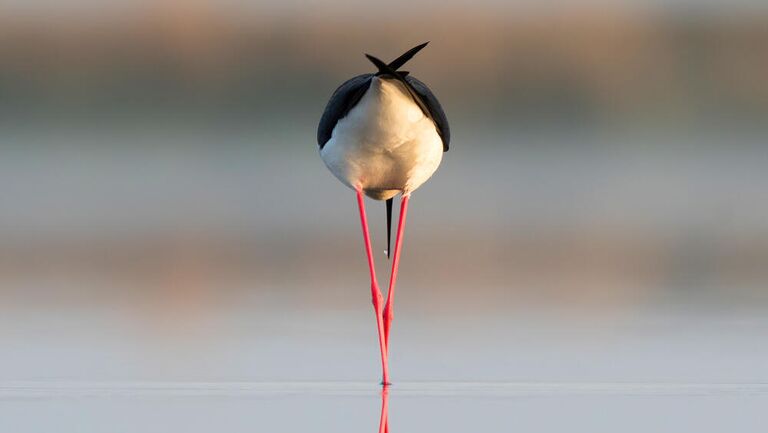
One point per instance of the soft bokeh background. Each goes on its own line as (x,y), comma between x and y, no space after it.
(602,214)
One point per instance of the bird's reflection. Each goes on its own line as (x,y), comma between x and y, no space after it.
(384,419)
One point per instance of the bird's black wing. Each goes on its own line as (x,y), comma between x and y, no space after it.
(435,110)
(342,100)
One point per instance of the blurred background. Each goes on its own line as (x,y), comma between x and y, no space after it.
(602,213)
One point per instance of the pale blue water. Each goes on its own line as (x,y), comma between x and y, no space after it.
(355,407)
(250,371)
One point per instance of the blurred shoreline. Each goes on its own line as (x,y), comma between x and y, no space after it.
(601,154)
(667,68)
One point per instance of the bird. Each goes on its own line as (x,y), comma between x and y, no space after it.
(382,134)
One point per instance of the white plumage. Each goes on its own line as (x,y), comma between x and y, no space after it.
(385,145)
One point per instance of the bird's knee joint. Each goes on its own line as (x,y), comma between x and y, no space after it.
(377,299)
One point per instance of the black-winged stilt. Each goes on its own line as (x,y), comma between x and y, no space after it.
(382,134)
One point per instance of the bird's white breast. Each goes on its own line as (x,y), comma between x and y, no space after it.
(385,144)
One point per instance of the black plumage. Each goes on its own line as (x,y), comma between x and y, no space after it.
(436,112)
(343,99)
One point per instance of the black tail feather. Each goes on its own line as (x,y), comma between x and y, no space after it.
(403,59)
(383,68)
(389,223)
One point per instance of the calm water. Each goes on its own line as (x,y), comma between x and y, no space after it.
(248,370)
(356,407)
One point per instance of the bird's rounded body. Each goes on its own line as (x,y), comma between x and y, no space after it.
(385,145)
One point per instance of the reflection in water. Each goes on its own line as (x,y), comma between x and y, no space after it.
(384,419)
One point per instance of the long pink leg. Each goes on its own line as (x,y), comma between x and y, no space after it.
(375,291)
(388,313)
(384,418)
